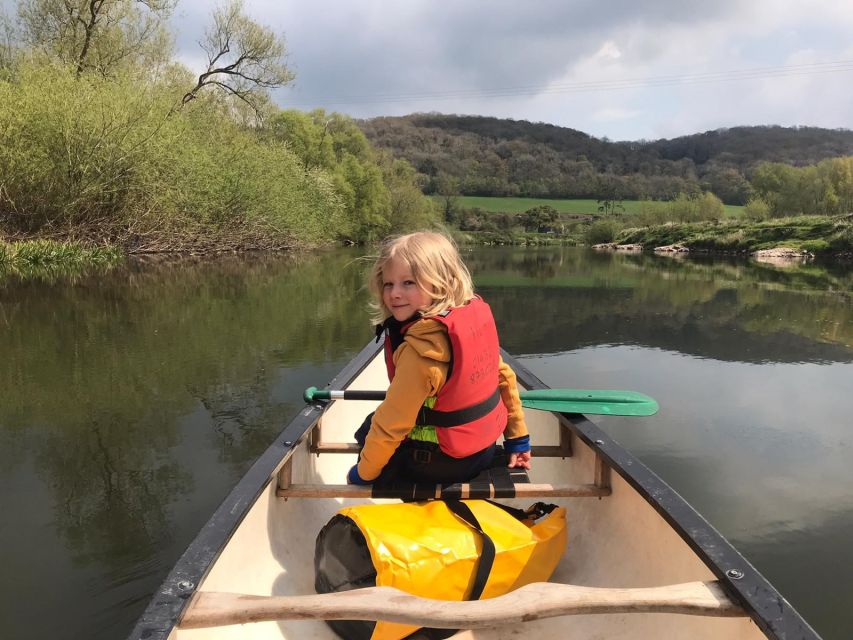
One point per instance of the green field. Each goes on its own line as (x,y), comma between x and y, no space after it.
(519,205)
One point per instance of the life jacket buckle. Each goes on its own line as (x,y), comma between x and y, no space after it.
(421,456)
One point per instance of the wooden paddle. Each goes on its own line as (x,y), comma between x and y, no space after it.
(599,402)
(531,602)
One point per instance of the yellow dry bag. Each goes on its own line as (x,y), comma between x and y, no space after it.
(446,550)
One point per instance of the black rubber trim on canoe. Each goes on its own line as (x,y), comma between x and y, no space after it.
(170,599)
(769,610)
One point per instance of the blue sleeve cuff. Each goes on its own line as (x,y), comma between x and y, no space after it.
(517,445)
(354,478)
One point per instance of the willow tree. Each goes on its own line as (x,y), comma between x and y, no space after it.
(333,143)
(244,59)
(98,35)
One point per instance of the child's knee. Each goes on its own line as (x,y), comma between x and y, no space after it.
(361,432)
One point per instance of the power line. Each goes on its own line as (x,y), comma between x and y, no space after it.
(755,73)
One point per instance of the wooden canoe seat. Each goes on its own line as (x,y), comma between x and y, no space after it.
(496,482)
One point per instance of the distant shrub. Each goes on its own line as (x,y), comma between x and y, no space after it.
(709,207)
(815,246)
(696,208)
(601,231)
(652,213)
(756,209)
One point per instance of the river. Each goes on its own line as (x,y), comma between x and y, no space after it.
(133,401)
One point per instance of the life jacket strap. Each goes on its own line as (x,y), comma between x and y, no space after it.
(435,418)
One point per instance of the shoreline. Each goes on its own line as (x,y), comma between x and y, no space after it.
(74,250)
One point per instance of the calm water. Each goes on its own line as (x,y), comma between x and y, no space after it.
(133,402)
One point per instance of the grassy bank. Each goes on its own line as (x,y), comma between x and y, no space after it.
(825,236)
(820,235)
(577,207)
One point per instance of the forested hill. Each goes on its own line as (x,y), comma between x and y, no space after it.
(476,155)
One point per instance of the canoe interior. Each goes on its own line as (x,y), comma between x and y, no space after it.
(616,541)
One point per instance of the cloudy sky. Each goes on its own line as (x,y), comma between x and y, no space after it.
(624,69)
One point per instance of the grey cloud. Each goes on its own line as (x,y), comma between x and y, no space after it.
(385,50)
(474,44)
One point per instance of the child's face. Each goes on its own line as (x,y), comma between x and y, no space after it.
(400,293)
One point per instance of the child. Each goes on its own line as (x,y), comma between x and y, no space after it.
(451,395)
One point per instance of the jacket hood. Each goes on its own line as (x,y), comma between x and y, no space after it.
(429,339)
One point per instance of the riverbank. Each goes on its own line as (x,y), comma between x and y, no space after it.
(74,250)
(821,236)
(826,237)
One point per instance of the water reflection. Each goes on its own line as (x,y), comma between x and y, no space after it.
(138,393)
(761,450)
(133,400)
(727,310)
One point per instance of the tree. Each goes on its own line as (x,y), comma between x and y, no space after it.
(334,143)
(776,184)
(306,134)
(610,194)
(410,208)
(244,58)
(756,209)
(98,35)
(728,184)
(709,207)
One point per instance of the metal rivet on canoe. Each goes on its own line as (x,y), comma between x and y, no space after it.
(599,442)
(735,574)
(185,585)
(287,443)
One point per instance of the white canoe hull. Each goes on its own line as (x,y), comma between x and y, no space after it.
(641,535)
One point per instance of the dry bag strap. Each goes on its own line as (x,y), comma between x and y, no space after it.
(433,418)
(487,555)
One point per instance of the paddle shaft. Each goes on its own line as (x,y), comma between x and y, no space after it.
(602,402)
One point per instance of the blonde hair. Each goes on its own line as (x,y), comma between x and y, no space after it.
(436,267)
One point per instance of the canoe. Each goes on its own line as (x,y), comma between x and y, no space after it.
(639,563)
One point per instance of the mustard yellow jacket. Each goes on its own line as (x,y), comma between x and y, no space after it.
(421,368)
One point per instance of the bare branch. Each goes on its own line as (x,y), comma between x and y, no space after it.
(244,57)
(97,34)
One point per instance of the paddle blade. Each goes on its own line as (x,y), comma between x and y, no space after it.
(596,402)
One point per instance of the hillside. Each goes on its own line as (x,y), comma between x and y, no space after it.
(482,156)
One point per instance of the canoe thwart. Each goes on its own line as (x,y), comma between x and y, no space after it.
(498,481)
(530,602)
(444,492)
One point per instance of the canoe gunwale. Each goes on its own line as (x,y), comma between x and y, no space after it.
(742,582)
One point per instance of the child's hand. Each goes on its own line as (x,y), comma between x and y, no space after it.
(519,460)
(354,478)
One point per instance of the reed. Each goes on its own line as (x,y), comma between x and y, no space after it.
(45,258)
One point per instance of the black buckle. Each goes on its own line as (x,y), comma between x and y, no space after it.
(421,455)
(539,509)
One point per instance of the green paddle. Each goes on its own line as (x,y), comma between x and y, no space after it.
(611,403)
